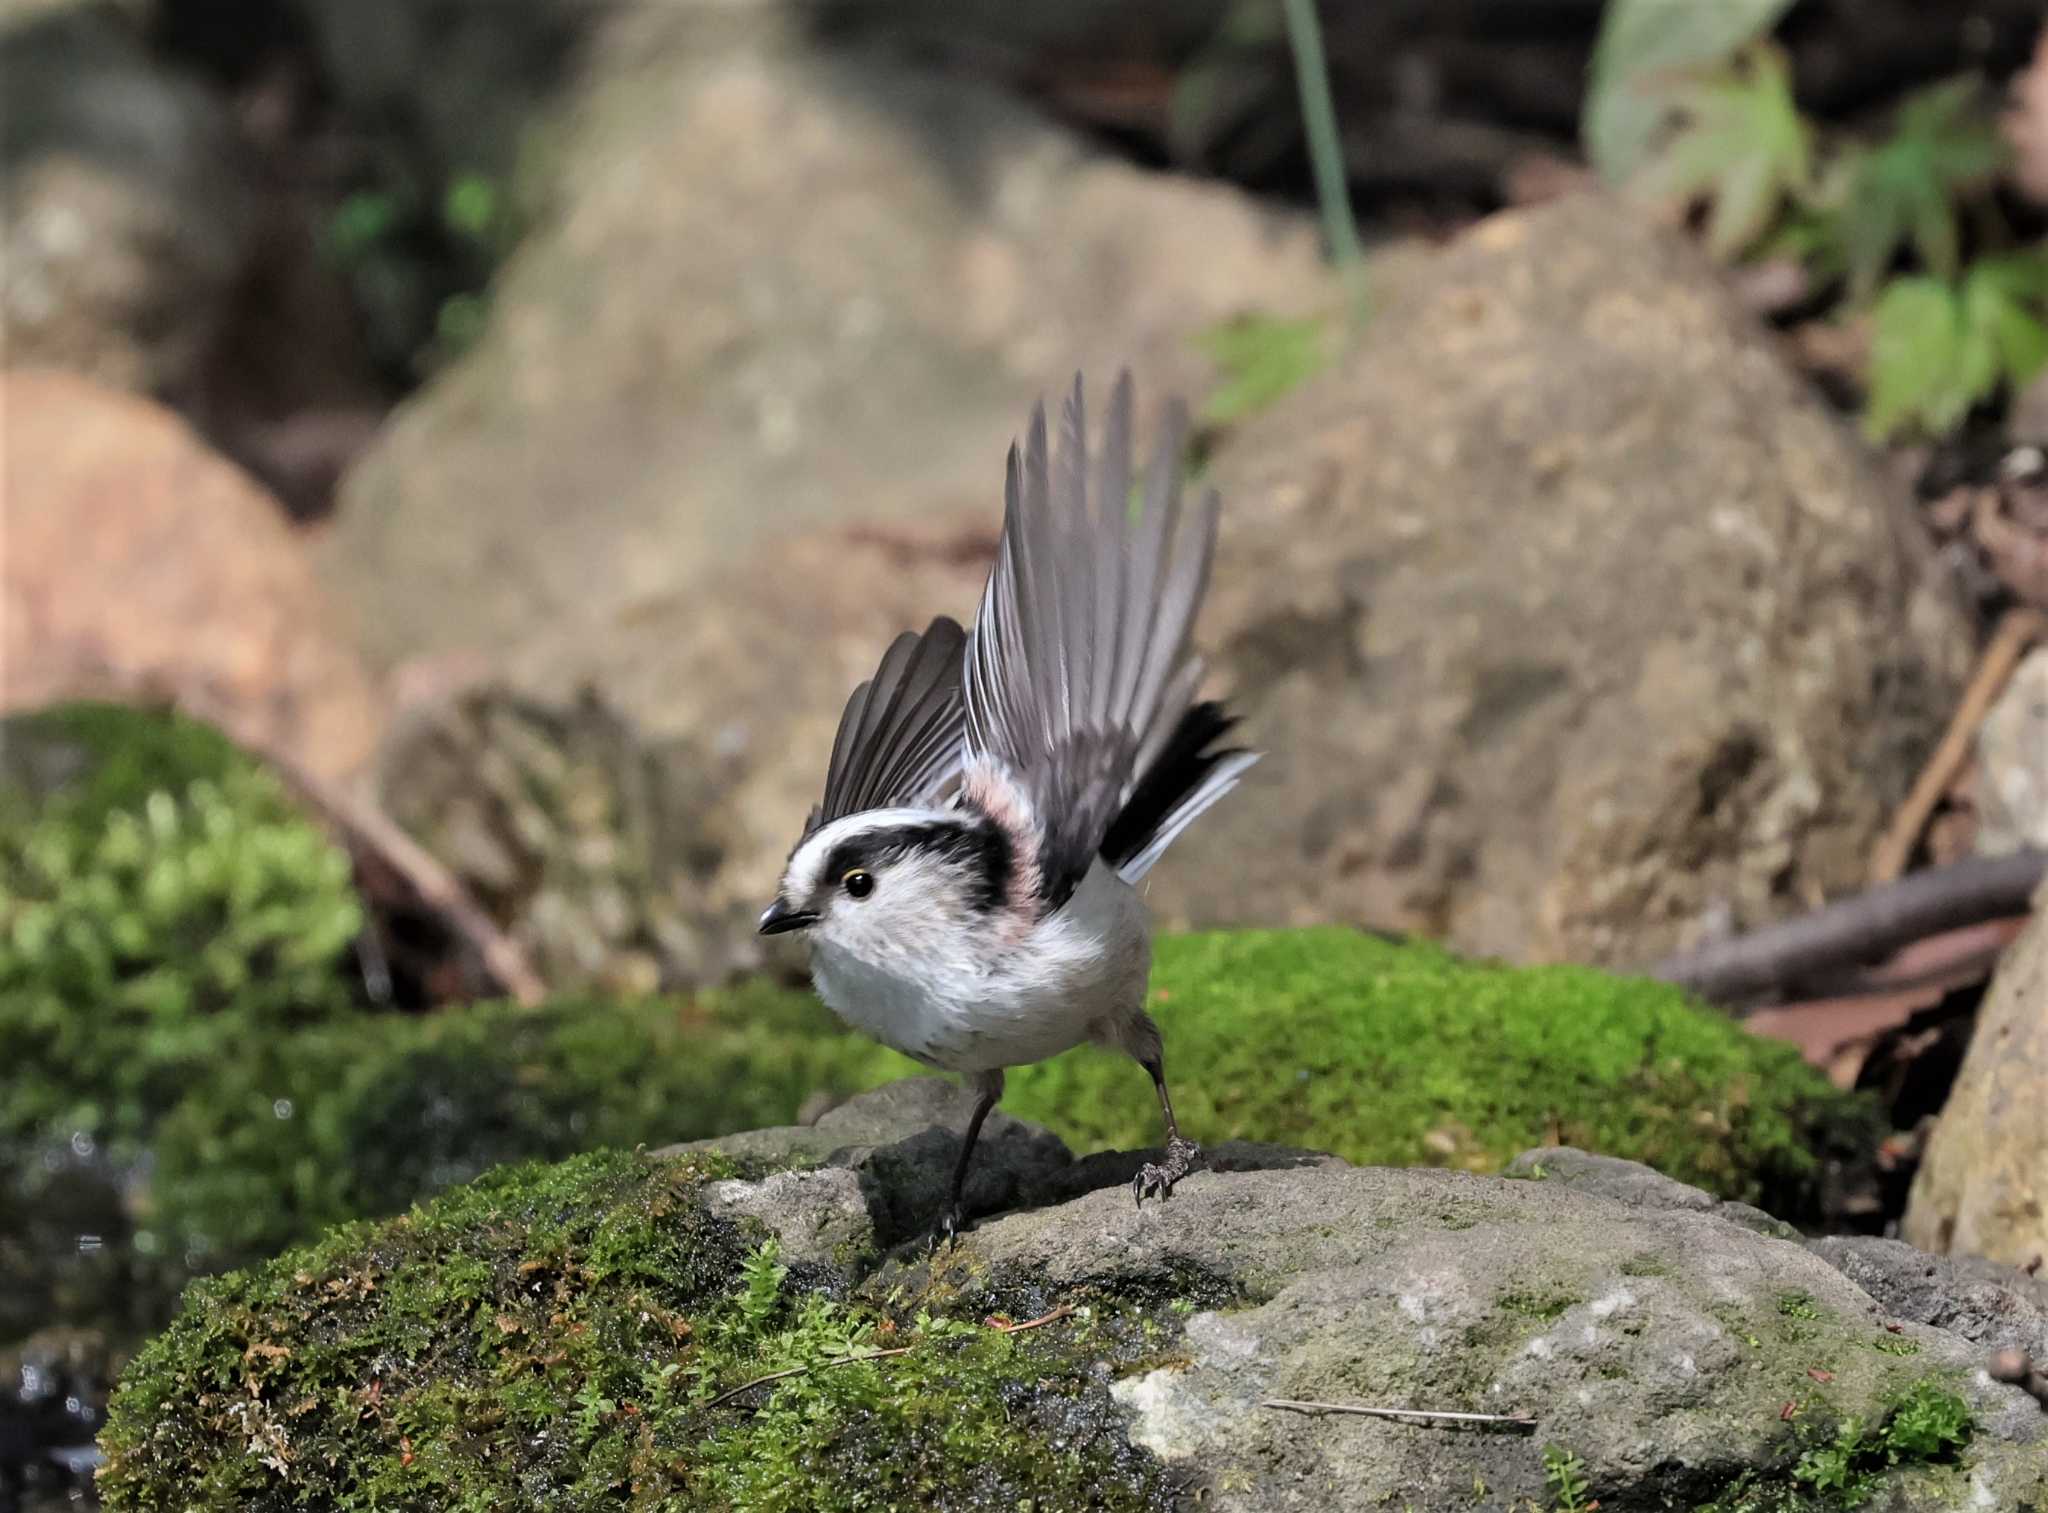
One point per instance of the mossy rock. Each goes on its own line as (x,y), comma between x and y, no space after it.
(1400,1054)
(622,1331)
(566,1337)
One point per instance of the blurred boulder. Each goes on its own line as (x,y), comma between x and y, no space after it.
(1576,623)
(1980,1189)
(140,562)
(130,212)
(2012,762)
(770,288)
(458,82)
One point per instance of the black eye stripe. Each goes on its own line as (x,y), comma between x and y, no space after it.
(978,847)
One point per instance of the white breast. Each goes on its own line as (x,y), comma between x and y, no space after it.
(967,1002)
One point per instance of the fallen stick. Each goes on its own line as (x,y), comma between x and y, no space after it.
(1867,927)
(1292,1405)
(2016,632)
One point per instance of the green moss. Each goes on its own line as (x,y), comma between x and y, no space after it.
(1545,1306)
(1341,1041)
(1844,1465)
(192,1077)
(569,1337)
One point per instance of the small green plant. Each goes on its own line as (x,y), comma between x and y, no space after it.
(1261,358)
(1743,148)
(1565,1474)
(1940,348)
(763,1276)
(1643,46)
(1904,227)
(1925,1422)
(1797,1305)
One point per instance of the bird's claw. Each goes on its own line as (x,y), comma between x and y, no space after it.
(1158,1177)
(946,1234)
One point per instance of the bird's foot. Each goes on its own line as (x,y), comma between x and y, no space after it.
(946,1233)
(1158,1177)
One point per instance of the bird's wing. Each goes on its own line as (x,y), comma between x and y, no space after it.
(900,737)
(1078,667)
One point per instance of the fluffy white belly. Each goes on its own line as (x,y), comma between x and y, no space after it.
(970,1003)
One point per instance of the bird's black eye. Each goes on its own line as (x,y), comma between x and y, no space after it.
(859,883)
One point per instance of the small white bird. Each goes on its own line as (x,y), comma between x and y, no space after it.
(994,794)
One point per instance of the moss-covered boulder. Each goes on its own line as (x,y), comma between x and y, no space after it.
(1398,1053)
(580,1336)
(714,1331)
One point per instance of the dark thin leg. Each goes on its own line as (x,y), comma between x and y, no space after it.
(1182,1156)
(990,1088)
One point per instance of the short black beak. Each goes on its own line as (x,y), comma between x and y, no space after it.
(778,917)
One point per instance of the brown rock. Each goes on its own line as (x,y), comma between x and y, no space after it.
(139,560)
(1576,624)
(1982,1189)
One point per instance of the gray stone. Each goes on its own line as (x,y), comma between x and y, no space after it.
(1998,1307)
(1658,1343)
(901,1142)
(819,1216)
(1637,1185)
(2012,762)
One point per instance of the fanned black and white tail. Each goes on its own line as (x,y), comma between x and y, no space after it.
(1079,683)
(1185,778)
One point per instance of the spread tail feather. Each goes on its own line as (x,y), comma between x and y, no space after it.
(1185,778)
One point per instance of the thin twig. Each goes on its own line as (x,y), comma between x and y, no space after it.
(1517,1420)
(1868,927)
(2016,632)
(1043,1319)
(776,1376)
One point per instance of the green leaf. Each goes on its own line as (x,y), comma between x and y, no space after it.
(1903,193)
(470,207)
(1743,148)
(1941,348)
(1261,357)
(1642,45)
(2006,300)
(1913,353)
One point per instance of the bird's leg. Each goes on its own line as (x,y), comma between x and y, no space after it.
(988,1087)
(1182,1156)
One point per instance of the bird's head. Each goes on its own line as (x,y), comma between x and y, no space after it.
(890,881)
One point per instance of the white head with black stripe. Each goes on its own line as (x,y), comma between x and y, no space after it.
(993,795)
